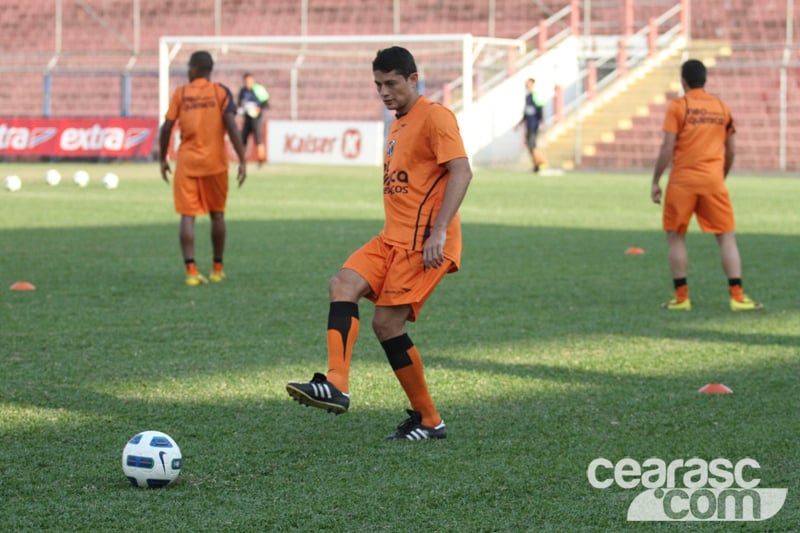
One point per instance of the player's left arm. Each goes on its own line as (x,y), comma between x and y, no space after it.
(730,154)
(457,184)
(236,140)
(229,119)
(163,146)
(662,162)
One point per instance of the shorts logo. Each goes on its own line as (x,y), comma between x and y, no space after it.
(716,490)
(390,149)
(402,290)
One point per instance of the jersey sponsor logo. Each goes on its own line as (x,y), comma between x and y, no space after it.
(390,148)
(699,115)
(351,144)
(23,138)
(308,144)
(395,181)
(198,102)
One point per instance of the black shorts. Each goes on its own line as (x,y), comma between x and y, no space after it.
(530,139)
(252,125)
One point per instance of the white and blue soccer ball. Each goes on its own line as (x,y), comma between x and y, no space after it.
(12,183)
(151,459)
(110,180)
(52,177)
(80,178)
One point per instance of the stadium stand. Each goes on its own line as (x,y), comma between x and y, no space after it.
(99,42)
(747,77)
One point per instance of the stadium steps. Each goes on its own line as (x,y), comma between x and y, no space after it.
(619,106)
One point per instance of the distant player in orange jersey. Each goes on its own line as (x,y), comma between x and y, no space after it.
(698,142)
(205,112)
(426,174)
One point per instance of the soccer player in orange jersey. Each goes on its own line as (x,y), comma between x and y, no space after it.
(426,174)
(205,111)
(698,142)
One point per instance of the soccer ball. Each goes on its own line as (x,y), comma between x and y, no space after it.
(81,178)
(12,183)
(52,177)
(110,181)
(151,459)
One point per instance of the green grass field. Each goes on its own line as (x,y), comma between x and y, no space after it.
(546,351)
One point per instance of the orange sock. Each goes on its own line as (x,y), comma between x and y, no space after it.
(682,293)
(737,293)
(343,328)
(407,365)
(191,269)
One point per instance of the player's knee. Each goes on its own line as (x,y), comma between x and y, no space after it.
(341,288)
(386,327)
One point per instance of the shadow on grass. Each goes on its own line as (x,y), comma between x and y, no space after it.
(111,306)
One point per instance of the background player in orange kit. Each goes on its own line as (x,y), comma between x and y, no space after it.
(206,111)
(426,176)
(698,141)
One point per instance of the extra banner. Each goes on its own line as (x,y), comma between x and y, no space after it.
(113,137)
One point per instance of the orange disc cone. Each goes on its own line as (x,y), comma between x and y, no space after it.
(634,250)
(22,286)
(715,388)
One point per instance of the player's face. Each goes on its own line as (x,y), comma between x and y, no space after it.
(397,93)
(249,81)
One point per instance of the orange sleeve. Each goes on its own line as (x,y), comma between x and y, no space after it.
(674,117)
(730,126)
(444,135)
(174,105)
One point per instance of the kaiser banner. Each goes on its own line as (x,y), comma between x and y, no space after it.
(323,142)
(77,137)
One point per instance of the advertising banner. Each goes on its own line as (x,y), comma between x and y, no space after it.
(115,137)
(325,142)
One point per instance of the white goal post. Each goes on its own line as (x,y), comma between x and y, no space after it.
(484,58)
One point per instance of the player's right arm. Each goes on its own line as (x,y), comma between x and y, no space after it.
(662,162)
(166,131)
(163,146)
(672,122)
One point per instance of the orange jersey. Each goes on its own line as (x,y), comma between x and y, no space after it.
(702,123)
(199,107)
(419,145)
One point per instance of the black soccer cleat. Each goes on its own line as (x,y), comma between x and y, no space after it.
(320,393)
(412,429)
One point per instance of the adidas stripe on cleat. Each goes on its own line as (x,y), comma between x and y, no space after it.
(412,429)
(320,393)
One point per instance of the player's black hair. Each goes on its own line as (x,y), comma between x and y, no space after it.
(694,72)
(202,61)
(395,58)
(247,75)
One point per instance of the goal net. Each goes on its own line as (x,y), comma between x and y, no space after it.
(330,77)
